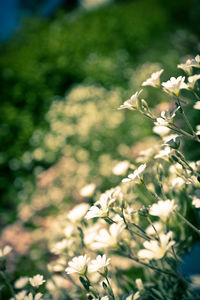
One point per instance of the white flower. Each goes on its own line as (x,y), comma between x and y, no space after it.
(78,265)
(19,296)
(197,61)
(187,66)
(101,207)
(163,153)
(161,130)
(196,202)
(60,246)
(197,105)
(136,174)
(139,284)
(88,190)
(162,209)
(192,80)
(5,251)
(178,182)
(37,280)
(108,238)
(174,85)
(154,80)
(161,122)
(21,282)
(158,227)
(121,167)
(99,264)
(131,103)
(30,297)
(156,249)
(78,212)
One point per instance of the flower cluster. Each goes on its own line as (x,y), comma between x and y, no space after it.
(97,247)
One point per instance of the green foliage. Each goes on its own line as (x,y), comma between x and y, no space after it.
(46,58)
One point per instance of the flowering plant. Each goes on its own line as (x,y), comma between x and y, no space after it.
(130,243)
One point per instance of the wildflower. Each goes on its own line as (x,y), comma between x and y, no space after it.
(154,80)
(131,103)
(197,105)
(101,207)
(139,284)
(197,61)
(121,168)
(156,249)
(99,264)
(158,227)
(21,282)
(88,190)
(30,297)
(19,296)
(136,174)
(187,66)
(192,80)
(37,280)
(178,182)
(161,130)
(173,141)
(78,265)
(5,251)
(162,209)
(196,202)
(108,238)
(78,212)
(60,246)
(174,85)
(163,153)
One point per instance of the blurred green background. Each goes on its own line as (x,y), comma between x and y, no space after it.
(81,45)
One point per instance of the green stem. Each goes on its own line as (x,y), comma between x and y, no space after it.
(188,223)
(185,117)
(3,275)
(152,193)
(110,288)
(152,267)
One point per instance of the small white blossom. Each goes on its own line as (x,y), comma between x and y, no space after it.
(136,174)
(163,153)
(156,249)
(78,265)
(197,61)
(19,296)
(37,280)
(174,85)
(121,167)
(21,282)
(139,284)
(87,190)
(108,238)
(158,227)
(197,105)
(187,66)
(192,80)
(5,251)
(131,103)
(196,202)
(101,207)
(178,182)
(161,130)
(154,80)
(78,212)
(99,264)
(162,209)
(30,296)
